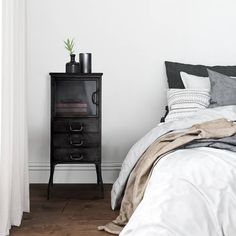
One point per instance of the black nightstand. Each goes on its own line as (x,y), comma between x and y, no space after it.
(75,121)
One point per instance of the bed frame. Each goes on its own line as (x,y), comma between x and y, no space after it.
(163,118)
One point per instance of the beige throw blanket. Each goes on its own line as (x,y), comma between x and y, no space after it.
(138,178)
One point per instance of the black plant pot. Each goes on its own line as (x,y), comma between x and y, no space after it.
(72,66)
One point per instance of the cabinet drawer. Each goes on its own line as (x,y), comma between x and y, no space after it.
(76,126)
(72,140)
(79,155)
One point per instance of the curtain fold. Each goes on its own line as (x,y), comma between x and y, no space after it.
(14,183)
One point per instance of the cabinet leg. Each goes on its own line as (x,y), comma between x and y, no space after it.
(99,178)
(50,183)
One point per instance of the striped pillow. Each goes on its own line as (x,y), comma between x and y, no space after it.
(185,102)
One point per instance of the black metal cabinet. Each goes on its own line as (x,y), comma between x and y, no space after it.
(75,121)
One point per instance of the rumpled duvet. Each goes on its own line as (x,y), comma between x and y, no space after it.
(136,151)
(216,129)
(190,192)
(209,114)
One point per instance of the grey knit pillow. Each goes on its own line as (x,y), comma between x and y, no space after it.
(223,89)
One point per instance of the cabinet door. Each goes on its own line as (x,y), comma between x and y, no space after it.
(76,98)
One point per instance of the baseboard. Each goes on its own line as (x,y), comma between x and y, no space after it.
(39,173)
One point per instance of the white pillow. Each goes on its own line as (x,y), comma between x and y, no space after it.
(185,102)
(195,82)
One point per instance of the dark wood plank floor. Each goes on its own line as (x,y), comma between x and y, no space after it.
(73,210)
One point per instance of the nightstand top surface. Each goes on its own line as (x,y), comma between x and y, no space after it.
(61,74)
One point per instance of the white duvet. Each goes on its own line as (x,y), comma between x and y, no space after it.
(190,192)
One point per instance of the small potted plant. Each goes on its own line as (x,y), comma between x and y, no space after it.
(72,66)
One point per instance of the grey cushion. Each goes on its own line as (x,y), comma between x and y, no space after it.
(223,89)
(173,70)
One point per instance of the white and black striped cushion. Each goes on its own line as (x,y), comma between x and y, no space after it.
(185,102)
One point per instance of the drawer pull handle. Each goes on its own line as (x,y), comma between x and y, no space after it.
(77,130)
(80,158)
(81,143)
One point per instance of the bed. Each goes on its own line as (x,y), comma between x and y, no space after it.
(190,188)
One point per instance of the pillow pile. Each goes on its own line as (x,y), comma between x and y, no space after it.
(198,87)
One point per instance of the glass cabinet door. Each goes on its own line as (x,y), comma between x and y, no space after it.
(76,98)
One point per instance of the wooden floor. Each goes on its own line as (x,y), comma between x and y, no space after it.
(73,210)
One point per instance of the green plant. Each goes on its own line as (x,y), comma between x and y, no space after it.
(69,45)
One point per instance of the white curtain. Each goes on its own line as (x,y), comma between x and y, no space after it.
(14,186)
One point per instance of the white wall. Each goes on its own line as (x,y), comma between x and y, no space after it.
(130,40)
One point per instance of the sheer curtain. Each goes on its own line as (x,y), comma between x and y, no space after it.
(14,187)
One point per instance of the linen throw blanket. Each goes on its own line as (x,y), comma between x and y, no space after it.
(138,178)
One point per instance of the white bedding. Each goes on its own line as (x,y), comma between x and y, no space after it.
(228,112)
(191,192)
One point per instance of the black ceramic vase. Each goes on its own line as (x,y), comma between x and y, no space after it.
(72,66)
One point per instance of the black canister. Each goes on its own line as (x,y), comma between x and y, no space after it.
(85,62)
(72,66)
